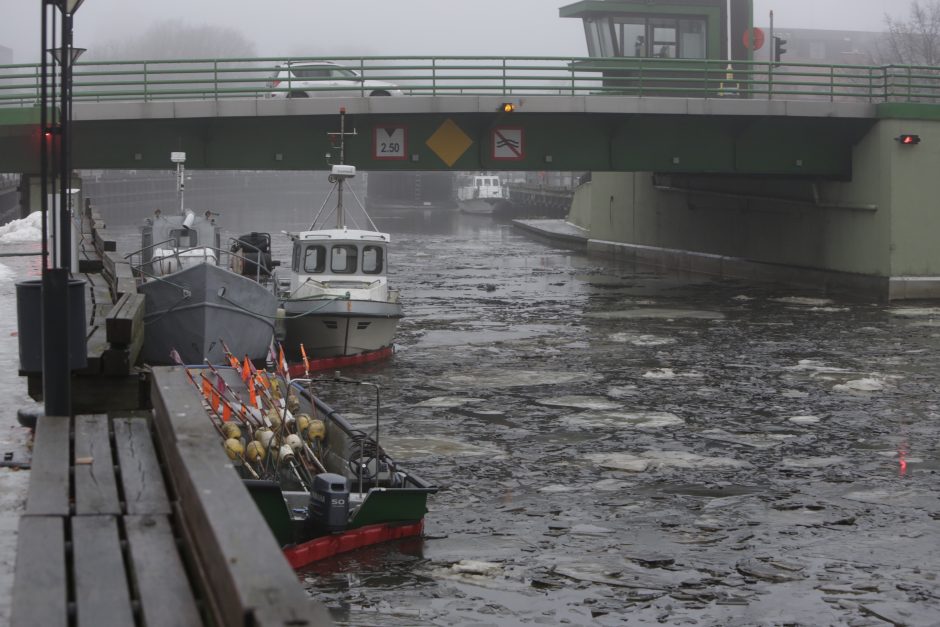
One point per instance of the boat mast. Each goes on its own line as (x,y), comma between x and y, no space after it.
(179,158)
(340,221)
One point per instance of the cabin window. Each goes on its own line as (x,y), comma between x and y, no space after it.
(343,259)
(184,238)
(662,37)
(691,39)
(631,36)
(372,259)
(315,259)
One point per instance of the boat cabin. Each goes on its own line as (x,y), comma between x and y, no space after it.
(172,242)
(339,258)
(656,47)
(481,186)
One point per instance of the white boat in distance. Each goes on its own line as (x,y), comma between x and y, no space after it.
(339,302)
(198,295)
(482,194)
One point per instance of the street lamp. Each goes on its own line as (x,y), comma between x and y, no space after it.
(57,347)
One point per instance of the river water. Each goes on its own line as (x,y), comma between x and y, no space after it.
(615,446)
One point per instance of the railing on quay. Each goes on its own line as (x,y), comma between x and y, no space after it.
(214,79)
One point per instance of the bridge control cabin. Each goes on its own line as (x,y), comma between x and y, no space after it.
(662,47)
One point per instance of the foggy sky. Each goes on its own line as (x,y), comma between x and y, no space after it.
(392,27)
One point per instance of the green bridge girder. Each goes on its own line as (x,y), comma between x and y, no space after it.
(818,147)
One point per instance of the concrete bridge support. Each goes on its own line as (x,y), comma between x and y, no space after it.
(877,233)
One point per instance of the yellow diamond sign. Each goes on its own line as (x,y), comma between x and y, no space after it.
(449,142)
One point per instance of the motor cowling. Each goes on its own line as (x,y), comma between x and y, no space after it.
(329,502)
(252,254)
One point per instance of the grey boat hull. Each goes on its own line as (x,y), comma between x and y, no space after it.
(195,309)
(335,328)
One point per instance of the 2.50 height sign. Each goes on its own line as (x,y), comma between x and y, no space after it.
(390,143)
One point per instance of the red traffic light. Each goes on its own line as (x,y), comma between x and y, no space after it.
(909,140)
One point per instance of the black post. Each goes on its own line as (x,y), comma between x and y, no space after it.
(65,174)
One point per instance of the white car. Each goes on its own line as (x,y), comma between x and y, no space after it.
(303,79)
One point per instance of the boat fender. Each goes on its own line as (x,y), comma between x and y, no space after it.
(294,442)
(234,448)
(293,403)
(273,417)
(316,431)
(266,438)
(231,430)
(302,421)
(255,451)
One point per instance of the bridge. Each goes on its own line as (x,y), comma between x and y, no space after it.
(570,114)
(790,172)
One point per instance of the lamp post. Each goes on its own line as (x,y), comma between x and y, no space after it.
(56,319)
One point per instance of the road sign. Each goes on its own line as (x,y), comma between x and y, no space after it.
(390,143)
(754,38)
(508,143)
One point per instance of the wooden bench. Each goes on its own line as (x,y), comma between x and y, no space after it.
(96,545)
(124,330)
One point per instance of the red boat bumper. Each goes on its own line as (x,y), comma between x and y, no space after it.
(321,548)
(328,363)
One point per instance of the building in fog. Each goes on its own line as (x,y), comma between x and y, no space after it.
(838,47)
(6,55)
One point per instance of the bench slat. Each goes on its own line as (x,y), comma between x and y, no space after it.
(40,596)
(144,489)
(49,477)
(124,319)
(102,597)
(166,596)
(95,484)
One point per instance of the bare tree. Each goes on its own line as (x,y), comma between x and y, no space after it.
(915,41)
(174,39)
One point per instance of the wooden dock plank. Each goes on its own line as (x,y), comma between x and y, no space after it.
(141,478)
(95,484)
(49,477)
(40,593)
(250,581)
(102,596)
(125,321)
(166,596)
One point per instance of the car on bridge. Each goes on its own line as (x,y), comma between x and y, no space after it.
(303,79)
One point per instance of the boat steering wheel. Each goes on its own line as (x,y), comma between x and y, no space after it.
(361,463)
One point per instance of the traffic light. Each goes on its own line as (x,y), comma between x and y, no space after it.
(507,107)
(909,140)
(779,48)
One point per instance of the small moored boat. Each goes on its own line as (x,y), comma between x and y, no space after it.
(482,194)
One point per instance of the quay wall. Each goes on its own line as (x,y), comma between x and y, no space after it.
(875,232)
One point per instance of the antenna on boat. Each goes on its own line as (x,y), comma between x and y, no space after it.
(340,172)
(179,158)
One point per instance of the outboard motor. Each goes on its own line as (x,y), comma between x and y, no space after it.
(255,249)
(329,502)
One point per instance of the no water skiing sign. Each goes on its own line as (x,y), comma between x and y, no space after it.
(508,143)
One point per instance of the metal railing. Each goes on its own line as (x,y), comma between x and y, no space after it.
(215,79)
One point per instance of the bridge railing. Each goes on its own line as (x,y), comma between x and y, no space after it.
(214,79)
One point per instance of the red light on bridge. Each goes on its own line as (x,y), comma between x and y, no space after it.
(909,140)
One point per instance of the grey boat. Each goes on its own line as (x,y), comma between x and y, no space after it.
(199,295)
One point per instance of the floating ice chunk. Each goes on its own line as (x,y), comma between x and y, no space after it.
(609,485)
(662,314)
(427,446)
(556,488)
(804,420)
(508,378)
(812,462)
(28,229)
(814,366)
(828,309)
(641,339)
(743,298)
(662,459)
(579,402)
(639,420)
(622,391)
(447,402)
(590,530)
(915,312)
(801,300)
(903,498)
(474,567)
(660,373)
(793,394)
(860,385)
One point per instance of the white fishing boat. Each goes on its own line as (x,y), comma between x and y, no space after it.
(481,194)
(198,294)
(338,302)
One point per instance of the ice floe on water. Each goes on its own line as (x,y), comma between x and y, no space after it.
(496,378)
(622,391)
(814,366)
(579,402)
(751,440)
(857,386)
(743,298)
(654,460)
(448,402)
(915,312)
(803,420)
(669,373)
(29,229)
(802,300)
(431,446)
(662,314)
(894,498)
(638,420)
(638,339)
(805,463)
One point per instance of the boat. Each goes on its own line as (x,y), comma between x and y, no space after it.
(481,194)
(197,293)
(324,486)
(337,302)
